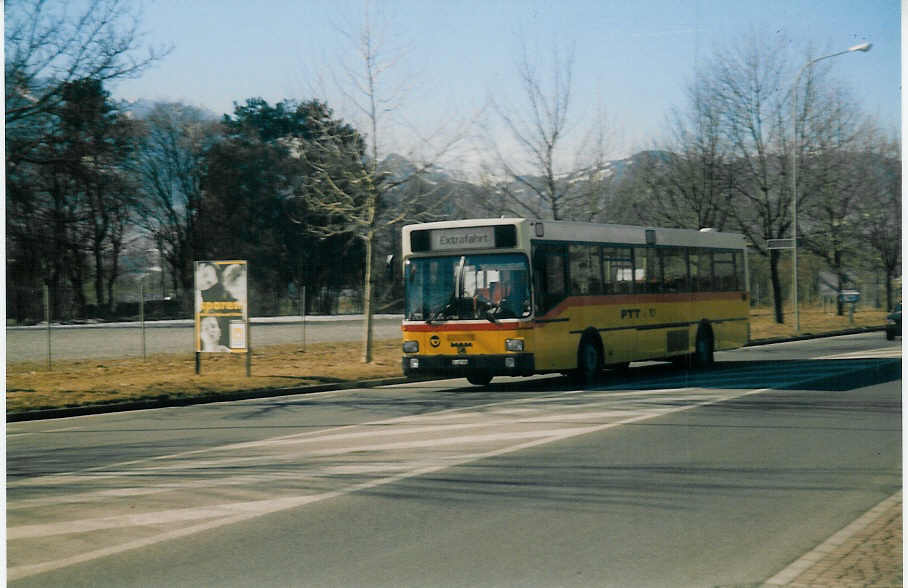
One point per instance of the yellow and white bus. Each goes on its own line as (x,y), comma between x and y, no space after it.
(513,296)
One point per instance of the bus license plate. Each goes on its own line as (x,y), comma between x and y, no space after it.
(460,362)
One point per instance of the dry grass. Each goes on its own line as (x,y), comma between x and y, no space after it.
(29,386)
(813,322)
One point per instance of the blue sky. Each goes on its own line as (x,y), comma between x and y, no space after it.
(631,58)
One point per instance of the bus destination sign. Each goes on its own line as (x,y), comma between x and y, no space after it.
(467,238)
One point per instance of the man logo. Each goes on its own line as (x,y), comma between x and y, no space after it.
(434,341)
(461,346)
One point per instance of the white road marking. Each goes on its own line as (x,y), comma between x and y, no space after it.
(391,450)
(218,515)
(882,353)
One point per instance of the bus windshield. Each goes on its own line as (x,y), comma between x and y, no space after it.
(491,287)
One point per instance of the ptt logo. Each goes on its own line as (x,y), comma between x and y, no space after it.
(434,341)
(634,313)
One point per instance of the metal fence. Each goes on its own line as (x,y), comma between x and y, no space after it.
(29,305)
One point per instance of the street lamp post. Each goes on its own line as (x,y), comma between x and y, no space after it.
(863,47)
(160,267)
(142,277)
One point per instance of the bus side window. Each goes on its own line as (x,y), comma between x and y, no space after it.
(675,267)
(739,270)
(585,270)
(701,270)
(647,270)
(640,273)
(724,268)
(618,270)
(549,276)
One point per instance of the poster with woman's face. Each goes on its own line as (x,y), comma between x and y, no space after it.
(220,306)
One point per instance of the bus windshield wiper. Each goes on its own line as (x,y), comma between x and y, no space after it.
(438,314)
(490,312)
(455,294)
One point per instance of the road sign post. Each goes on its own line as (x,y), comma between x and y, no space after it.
(303,314)
(47,317)
(850,297)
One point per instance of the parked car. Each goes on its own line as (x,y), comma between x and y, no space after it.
(894,322)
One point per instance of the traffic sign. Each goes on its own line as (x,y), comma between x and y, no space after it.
(851,296)
(780,243)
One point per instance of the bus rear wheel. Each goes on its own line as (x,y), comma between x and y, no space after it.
(589,364)
(704,354)
(479,379)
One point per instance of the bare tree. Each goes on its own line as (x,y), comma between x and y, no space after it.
(593,178)
(356,188)
(170,165)
(881,205)
(47,47)
(687,183)
(538,130)
(51,48)
(834,172)
(753,88)
(68,175)
(540,177)
(750,85)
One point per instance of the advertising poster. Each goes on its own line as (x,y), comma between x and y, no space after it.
(221,306)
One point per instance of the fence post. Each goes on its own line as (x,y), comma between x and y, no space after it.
(47,320)
(248,344)
(303,314)
(142,315)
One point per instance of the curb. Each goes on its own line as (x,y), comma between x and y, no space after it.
(55,413)
(828,548)
(804,337)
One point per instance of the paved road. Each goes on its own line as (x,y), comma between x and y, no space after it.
(124,340)
(658,478)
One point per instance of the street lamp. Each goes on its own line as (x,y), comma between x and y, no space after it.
(142,277)
(863,47)
(159,267)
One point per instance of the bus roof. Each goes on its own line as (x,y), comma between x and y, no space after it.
(568,231)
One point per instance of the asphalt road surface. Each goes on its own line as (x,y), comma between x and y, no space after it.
(660,477)
(124,340)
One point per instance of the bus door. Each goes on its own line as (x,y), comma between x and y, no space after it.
(555,345)
(620,311)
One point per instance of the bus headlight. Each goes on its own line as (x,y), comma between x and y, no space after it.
(411,346)
(513,344)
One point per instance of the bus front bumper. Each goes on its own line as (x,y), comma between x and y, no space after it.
(461,366)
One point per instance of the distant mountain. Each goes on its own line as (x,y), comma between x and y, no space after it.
(142,107)
(471,199)
(401,168)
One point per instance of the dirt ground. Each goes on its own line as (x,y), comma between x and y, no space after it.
(30,386)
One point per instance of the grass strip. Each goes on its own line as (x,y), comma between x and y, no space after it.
(171,378)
